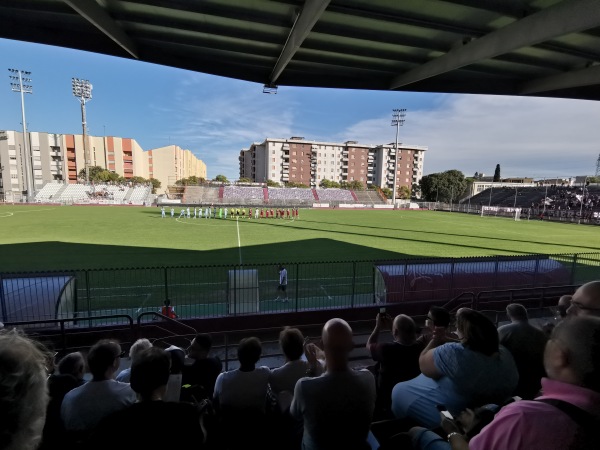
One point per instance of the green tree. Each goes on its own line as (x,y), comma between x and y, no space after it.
(221,179)
(244,180)
(497,173)
(356,185)
(444,186)
(404,192)
(325,183)
(155,184)
(271,183)
(295,184)
(387,192)
(593,180)
(93,171)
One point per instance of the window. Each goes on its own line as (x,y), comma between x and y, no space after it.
(293,153)
(272,159)
(319,169)
(352,157)
(319,154)
(332,169)
(273,152)
(351,170)
(272,167)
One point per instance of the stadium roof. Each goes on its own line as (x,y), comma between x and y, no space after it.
(509,47)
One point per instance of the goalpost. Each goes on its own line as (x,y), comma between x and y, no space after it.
(501,211)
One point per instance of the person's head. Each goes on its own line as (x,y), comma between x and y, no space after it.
(476,331)
(572,354)
(280,267)
(138,347)
(563,304)
(291,341)
(404,329)
(586,300)
(150,373)
(200,346)
(177,356)
(72,364)
(23,392)
(517,313)
(103,359)
(167,302)
(249,351)
(337,344)
(438,317)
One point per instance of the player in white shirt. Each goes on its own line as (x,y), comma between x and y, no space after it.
(188,212)
(225,212)
(207,213)
(182,213)
(172,212)
(162,212)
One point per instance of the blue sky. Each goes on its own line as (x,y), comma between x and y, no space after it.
(215,117)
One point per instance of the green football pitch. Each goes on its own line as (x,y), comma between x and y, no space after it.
(82,237)
(77,238)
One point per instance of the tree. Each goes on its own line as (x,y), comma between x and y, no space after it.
(138,180)
(497,173)
(444,186)
(325,183)
(403,192)
(295,184)
(221,179)
(244,180)
(593,180)
(271,183)
(387,192)
(93,173)
(356,185)
(155,184)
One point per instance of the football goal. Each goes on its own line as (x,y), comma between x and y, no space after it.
(501,211)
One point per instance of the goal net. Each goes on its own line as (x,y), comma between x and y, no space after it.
(501,211)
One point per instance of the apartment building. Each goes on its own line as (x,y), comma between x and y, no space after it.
(60,158)
(310,162)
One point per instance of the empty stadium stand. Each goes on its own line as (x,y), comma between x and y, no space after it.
(201,195)
(335,195)
(369,197)
(48,191)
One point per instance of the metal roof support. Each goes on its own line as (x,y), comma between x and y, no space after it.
(306,20)
(572,79)
(97,16)
(563,18)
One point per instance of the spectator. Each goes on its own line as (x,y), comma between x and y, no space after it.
(71,370)
(241,398)
(23,392)
(556,420)
(563,304)
(437,317)
(138,347)
(586,300)
(83,407)
(203,371)
(143,425)
(284,378)
(177,356)
(474,371)
(338,406)
(398,360)
(526,344)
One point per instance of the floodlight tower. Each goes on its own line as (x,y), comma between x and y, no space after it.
(82,89)
(398,116)
(598,166)
(20,82)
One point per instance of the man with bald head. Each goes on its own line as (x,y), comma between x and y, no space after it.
(586,300)
(337,407)
(561,417)
(398,360)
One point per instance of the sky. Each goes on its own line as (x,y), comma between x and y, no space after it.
(216,117)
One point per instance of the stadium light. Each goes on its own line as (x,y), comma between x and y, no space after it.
(398,116)
(20,82)
(270,89)
(82,90)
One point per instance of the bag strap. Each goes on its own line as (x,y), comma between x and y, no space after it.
(582,418)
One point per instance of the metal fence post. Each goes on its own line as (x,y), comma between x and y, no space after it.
(573,268)
(166,282)
(297,284)
(88,295)
(353,283)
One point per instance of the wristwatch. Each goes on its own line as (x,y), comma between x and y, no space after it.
(454,433)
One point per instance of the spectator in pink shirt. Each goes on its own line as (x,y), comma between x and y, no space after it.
(566,416)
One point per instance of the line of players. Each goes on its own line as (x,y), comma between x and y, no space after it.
(223,213)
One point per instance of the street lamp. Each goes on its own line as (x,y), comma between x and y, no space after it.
(82,89)
(20,82)
(398,116)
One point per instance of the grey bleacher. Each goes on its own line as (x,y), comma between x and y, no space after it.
(369,197)
(335,194)
(201,195)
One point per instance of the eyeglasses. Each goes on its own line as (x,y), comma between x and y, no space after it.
(121,355)
(583,307)
(430,318)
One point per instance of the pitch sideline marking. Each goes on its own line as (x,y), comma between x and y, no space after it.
(10,214)
(237,222)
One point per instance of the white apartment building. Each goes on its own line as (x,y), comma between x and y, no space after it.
(310,162)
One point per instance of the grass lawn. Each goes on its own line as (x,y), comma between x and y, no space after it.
(72,238)
(82,237)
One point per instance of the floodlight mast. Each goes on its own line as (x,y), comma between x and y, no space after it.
(82,89)
(18,78)
(398,116)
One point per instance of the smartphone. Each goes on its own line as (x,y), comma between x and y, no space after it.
(382,310)
(444,411)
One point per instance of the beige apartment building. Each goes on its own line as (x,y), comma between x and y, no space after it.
(310,162)
(60,157)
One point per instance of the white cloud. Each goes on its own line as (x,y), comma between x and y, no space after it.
(526,136)
(217,119)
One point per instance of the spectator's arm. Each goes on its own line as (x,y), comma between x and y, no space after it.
(427,361)
(296,407)
(217,391)
(374,338)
